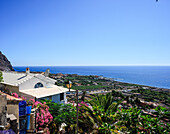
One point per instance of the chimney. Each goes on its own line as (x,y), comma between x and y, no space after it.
(47,72)
(27,70)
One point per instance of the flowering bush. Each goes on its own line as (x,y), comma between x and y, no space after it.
(43,116)
(61,114)
(17,96)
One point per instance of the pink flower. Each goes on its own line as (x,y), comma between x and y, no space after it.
(84,103)
(42,116)
(79,105)
(46,120)
(37,102)
(51,117)
(32,100)
(41,124)
(15,95)
(23,98)
(42,110)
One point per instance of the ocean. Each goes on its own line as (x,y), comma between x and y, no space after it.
(156,76)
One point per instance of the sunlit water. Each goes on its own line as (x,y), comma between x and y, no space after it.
(157,76)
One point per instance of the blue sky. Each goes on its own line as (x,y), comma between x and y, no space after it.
(85,32)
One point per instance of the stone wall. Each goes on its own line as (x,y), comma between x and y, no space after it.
(9,88)
(12,89)
(13,108)
(3,110)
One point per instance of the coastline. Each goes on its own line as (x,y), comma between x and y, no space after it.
(156,76)
(115,79)
(91,84)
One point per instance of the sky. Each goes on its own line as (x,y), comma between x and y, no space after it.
(85,32)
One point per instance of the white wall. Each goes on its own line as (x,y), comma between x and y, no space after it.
(29,84)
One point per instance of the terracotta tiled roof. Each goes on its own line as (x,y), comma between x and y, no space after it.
(9,97)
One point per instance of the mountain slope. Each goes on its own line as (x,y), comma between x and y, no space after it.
(5,64)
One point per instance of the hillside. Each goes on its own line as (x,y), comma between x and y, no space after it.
(5,64)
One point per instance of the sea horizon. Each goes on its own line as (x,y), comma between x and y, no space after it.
(84,65)
(155,76)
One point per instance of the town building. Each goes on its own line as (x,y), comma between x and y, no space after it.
(32,85)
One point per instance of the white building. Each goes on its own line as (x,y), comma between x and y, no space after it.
(32,85)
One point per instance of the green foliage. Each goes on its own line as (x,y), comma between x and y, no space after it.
(155,96)
(132,121)
(129,120)
(107,102)
(96,119)
(105,117)
(92,87)
(61,114)
(1,78)
(117,94)
(101,117)
(83,95)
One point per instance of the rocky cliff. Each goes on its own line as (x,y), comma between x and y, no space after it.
(5,64)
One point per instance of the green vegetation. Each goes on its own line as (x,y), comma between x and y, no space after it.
(154,96)
(105,114)
(120,111)
(83,82)
(128,85)
(93,87)
(61,114)
(1,78)
(133,120)
(101,117)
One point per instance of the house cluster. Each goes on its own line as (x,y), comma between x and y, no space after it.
(30,86)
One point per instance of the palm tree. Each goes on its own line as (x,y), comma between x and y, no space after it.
(83,95)
(101,116)
(107,102)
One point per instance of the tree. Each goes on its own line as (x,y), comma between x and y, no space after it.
(83,95)
(1,78)
(107,102)
(101,116)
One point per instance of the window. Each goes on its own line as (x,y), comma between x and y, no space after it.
(38,85)
(61,96)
